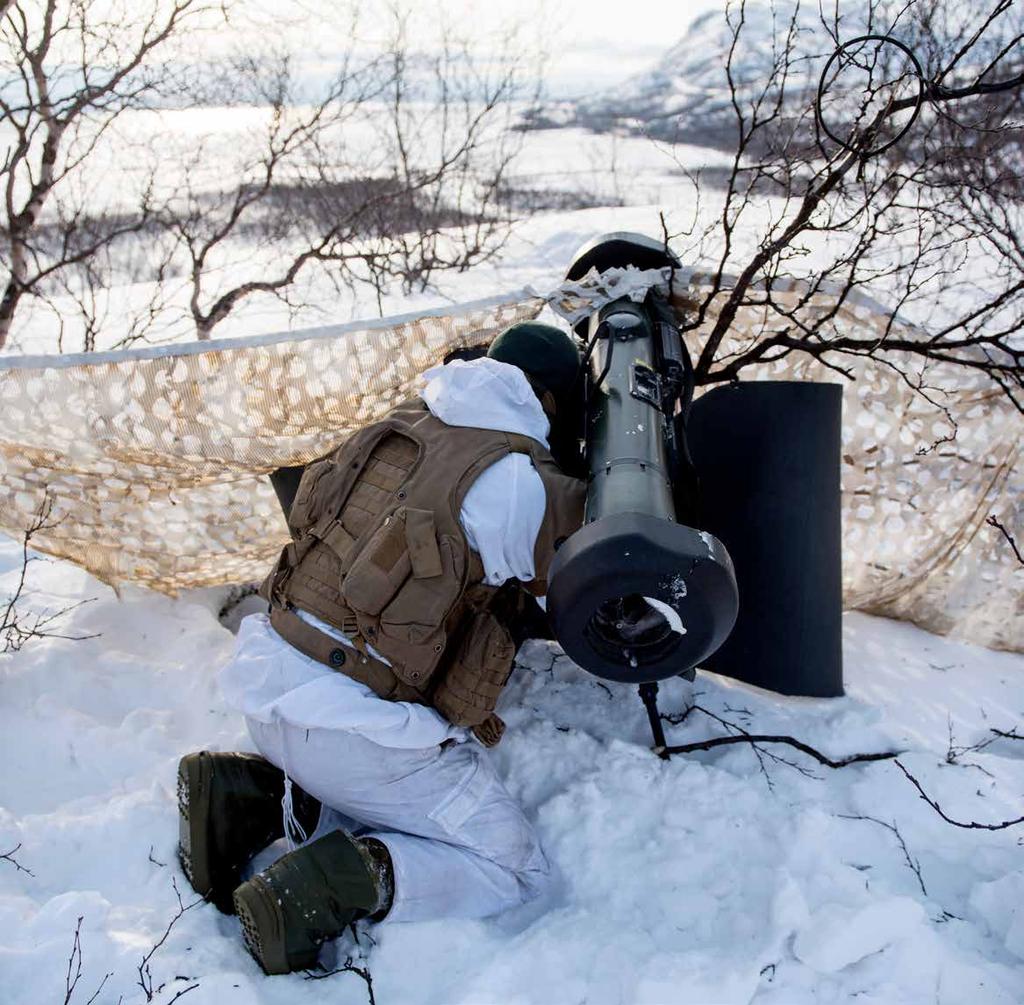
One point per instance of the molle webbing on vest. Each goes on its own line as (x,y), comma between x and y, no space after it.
(477,672)
(314,584)
(388,467)
(316,590)
(380,550)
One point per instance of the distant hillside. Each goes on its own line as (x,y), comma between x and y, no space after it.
(685,97)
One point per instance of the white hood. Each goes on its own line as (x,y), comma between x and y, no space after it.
(485,394)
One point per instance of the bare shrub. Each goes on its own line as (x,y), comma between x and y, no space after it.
(931,223)
(390,172)
(69,69)
(18,627)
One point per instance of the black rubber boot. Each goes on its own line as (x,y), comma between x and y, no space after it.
(229,808)
(311,895)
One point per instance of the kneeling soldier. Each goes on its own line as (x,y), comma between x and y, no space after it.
(370,686)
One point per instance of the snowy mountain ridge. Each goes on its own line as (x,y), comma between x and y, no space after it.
(685,96)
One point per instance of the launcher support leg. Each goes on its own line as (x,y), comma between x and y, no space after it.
(649,696)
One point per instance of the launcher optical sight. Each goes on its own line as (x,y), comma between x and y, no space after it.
(637,594)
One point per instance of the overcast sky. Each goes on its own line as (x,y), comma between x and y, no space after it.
(590,44)
(601,42)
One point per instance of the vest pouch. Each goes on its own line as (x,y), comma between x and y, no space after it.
(307,505)
(412,630)
(423,602)
(476,676)
(325,486)
(380,568)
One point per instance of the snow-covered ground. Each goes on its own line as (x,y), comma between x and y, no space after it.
(698,880)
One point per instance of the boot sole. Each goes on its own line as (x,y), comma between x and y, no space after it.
(263,930)
(194,775)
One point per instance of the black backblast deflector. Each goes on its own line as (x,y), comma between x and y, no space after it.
(767,456)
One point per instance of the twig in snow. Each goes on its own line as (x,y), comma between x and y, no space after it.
(163,865)
(550,668)
(15,629)
(145,980)
(953,753)
(1008,735)
(182,993)
(789,741)
(738,711)
(757,742)
(759,752)
(912,863)
(677,718)
(75,964)
(348,967)
(8,856)
(970,825)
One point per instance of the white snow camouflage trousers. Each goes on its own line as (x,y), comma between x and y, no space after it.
(460,844)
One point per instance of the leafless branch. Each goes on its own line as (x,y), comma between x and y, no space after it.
(678,718)
(71,71)
(955,751)
(1008,734)
(145,979)
(932,225)
(16,628)
(789,741)
(426,198)
(993,521)
(348,967)
(969,825)
(182,993)
(74,969)
(757,743)
(8,856)
(912,863)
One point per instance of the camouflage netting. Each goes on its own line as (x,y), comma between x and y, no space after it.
(154,461)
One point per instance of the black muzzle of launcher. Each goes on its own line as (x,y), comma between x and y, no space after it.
(636,595)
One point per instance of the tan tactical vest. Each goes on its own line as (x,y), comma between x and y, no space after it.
(378,552)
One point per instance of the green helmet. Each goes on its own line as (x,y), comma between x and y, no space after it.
(546,354)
